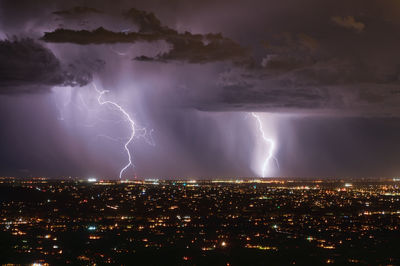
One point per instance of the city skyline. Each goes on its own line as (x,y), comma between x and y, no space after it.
(272,222)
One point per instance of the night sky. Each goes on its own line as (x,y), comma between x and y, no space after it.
(322,76)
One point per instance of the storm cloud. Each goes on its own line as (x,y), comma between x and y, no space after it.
(192,48)
(353,70)
(78,10)
(323,75)
(28,67)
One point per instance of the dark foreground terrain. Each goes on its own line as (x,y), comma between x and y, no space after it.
(269,222)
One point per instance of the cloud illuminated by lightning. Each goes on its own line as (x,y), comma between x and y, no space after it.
(118,52)
(127,117)
(270,143)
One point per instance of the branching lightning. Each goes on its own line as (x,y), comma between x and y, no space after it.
(270,143)
(128,118)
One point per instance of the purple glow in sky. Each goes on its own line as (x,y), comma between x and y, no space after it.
(323,79)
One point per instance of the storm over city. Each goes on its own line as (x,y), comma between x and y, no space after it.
(199,89)
(213,132)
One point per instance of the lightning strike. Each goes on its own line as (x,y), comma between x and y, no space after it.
(128,118)
(270,143)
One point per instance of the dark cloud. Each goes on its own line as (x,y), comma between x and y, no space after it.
(289,51)
(146,21)
(187,47)
(98,36)
(352,70)
(28,67)
(330,88)
(346,72)
(204,49)
(144,58)
(78,10)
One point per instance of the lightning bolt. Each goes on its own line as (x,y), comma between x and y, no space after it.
(128,118)
(270,143)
